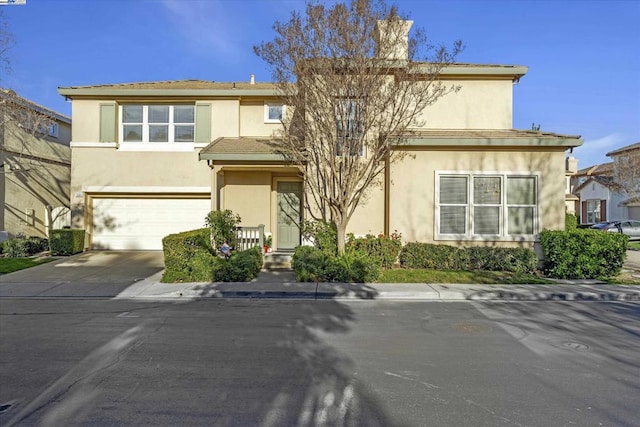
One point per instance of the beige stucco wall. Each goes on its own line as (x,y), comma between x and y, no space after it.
(36,174)
(252,119)
(249,195)
(369,215)
(86,120)
(229,118)
(413,187)
(485,104)
(150,172)
(224,118)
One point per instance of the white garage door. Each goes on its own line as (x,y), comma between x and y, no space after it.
(142,223)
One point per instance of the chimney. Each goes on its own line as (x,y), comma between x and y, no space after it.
(392,39)
(571,164)
(252,79)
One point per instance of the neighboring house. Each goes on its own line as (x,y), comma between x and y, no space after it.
(153,158)
(626,172)
(35,167)
(599,200)
(596,182)
(572,202)
(598,188)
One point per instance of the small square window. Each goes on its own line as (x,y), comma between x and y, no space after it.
(53,130)
(273,113)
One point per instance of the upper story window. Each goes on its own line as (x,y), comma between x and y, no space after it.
(53,130)
(348,127)
(157,123)
(273,113)
(477,206)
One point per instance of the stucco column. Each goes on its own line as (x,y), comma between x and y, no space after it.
(214,188)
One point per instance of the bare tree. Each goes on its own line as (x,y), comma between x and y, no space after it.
(626,171)
(353,80)
(6,43)
(19,120)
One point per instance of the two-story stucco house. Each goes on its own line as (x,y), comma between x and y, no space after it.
(149,159)
(35,166)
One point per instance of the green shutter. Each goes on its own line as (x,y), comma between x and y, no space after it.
(203,123)
(107,122)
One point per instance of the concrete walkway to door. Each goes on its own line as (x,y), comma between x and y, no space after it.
(90,274)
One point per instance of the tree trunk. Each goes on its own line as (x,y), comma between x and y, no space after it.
(341,232)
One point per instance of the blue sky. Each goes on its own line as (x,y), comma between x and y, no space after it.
(583,56)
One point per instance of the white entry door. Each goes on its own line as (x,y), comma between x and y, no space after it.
(137,223)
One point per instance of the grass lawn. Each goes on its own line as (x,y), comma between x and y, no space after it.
(398,275)
(9,265)
(625,278)
(634,245)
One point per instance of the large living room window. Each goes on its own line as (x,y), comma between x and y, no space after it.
(486,206)
(157,123)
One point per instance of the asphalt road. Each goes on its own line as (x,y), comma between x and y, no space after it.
(308,363)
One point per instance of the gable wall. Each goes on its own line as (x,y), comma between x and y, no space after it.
(485,104)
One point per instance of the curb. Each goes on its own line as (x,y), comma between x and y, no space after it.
(372,294)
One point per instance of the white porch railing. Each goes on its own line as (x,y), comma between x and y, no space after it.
(249,237)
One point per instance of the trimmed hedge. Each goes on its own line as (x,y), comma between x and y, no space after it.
(383,249)
(445,257)
(188,257)
(66,241)
(313,265)
(22,247)
(583,253)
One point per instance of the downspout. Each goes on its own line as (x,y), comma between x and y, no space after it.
(387,193)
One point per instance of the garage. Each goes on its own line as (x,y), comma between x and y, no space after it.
(141,223)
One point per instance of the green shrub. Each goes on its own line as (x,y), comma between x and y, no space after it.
(583,253)
(223,226)
(308,263)
(312,265)
(517,260)
(570,222)
(2,247)
(383,249)
(66,241)
(21,247)
(16,248)
(241,266)
(188,257)
(323,235)
(430,256)
(445,257)
(349,267)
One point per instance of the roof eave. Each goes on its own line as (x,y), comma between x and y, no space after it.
(72,92)
(498,142)
(248,157)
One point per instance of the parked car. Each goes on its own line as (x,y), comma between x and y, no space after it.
(629,227)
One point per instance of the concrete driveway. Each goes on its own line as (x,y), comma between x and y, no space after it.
(90,274)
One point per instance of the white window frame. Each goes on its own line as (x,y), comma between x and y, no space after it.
(504,207)
(595,210)
(145,126)
(53,130)
(267,105)
(348,125)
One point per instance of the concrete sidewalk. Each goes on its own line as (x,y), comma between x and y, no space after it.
(281,284)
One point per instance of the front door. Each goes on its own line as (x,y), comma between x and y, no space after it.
(289,214)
